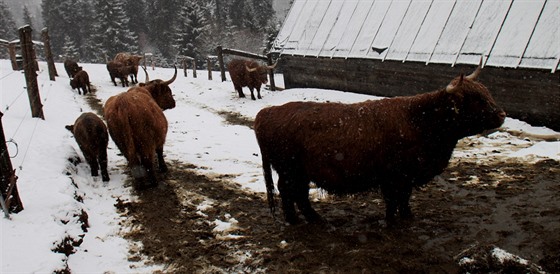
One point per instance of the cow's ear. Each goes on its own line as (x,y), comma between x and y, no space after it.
(70,128)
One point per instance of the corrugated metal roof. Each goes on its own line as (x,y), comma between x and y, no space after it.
(511,33)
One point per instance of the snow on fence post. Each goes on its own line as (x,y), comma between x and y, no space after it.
(29,67)
(9,195)
(48,54)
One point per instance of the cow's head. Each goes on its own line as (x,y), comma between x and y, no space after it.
(474,108)
(160,90)
(74,83)
(257,72)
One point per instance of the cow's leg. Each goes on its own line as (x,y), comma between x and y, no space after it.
(124,81)
(103,164)
(288,207)
(389,195)
(252,94)
(92,162)
(259,93)
(113,79)
(301,189)
(240,91)
(161,162)
(403,198)
(148,164)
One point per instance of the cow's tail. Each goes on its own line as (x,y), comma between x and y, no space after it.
(267,171)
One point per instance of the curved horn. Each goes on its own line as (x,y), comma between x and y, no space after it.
(168,82)
(476,72)
(452,87)
(147,77)
(273,66)
(250,69)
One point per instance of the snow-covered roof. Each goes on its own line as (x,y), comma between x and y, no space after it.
(511,33)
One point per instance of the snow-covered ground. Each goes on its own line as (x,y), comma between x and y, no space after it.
(49,184)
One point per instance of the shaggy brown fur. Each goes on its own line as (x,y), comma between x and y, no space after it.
(242,77)
(91,135)
(81,81)
(71,67)
(393,144)
(130,60)
(138,126)
(119,70)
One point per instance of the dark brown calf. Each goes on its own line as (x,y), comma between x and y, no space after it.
(81,81)
(393,144)
(91,135)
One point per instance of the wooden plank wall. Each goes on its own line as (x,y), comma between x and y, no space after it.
(526,94)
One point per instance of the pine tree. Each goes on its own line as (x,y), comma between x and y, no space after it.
(161,16)
(54,21)
(136,11)
(8,28)
(189,30)
(69,49)
(27,18)
(111,31)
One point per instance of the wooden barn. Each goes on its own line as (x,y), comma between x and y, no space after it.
(405,47)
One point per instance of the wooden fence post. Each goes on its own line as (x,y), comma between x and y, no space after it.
(48,54)
(30,75)
(221,63)
(271,72)
(12,52)
(184,62)
(209,68)
(194,67)
(8,188)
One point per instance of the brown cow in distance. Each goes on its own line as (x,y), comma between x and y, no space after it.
(71,67)
(91,135)
(81,81)
(247,73)
(393,144)
(138,126)
(130,60)
(119,70)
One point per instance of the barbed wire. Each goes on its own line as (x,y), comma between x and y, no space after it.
(6,76)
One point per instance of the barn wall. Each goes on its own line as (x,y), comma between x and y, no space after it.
(529,95)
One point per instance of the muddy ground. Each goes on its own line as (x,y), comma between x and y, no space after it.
(499,201)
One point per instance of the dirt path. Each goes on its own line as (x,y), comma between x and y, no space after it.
(500,202)
(520,215)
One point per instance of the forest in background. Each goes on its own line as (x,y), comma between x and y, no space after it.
(92,31)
